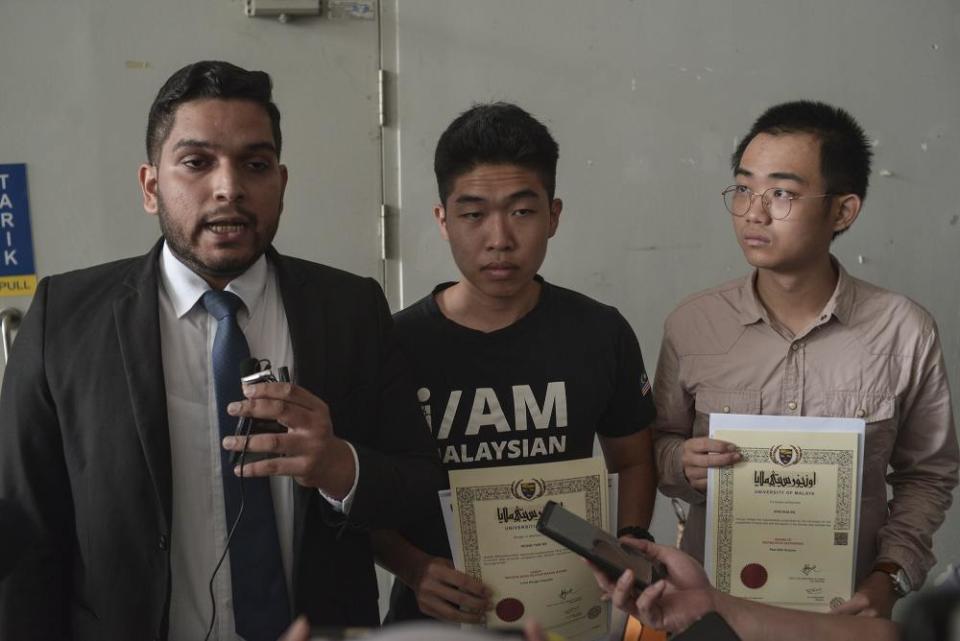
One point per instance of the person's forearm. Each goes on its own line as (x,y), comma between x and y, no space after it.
(758,622)
(637,494)
(342,471)
(921,498)
(397,555)
(668,453)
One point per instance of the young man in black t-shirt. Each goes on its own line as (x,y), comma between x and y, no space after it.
(511,369)
(534,391)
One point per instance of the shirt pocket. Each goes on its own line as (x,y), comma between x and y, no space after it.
(872,408)
(723,401)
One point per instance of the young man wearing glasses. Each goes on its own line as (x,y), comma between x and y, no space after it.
(801,337)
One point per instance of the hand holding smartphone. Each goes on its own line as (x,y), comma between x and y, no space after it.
(597,546)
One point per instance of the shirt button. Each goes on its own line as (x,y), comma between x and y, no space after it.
(162,543)
(726,409)
(861,413)
(795,346)
(792,406)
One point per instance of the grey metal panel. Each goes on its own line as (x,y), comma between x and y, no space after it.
(647,99)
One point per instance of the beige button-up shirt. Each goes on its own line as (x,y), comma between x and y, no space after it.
(872,354)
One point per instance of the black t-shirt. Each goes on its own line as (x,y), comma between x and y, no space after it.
(533,392)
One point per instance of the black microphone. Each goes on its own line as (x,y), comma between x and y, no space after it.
(253,371)
(248,366)
(16,536)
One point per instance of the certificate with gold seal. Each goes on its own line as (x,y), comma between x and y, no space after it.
(782,522)
(495,513)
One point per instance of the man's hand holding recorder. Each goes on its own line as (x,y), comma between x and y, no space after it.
(307,449)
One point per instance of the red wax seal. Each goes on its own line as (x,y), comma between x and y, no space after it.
(509,610)
(753,576)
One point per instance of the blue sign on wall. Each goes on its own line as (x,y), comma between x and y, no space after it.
(18,277)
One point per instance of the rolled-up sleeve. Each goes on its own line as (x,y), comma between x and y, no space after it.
(674,422)
(923,465)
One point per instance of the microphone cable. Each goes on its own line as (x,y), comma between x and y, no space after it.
(226,547)
(243,455)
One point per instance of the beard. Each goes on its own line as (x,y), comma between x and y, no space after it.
(183,243)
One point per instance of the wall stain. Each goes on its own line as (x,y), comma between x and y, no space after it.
(953,221)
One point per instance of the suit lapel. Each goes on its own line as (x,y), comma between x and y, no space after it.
(303,306)
(137,319)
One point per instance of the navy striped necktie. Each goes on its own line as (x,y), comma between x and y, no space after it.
(261,608)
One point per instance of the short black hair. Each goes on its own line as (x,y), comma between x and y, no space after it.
(495,133)
(845,150)
(207,79)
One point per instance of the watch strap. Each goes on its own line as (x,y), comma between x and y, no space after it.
(887,567)
(636,532)
(898,578)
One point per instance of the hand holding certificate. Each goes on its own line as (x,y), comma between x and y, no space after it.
(782,523)
(495,512)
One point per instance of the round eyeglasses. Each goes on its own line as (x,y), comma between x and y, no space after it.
(776,201)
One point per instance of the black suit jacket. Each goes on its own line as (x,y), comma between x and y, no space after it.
(85,450)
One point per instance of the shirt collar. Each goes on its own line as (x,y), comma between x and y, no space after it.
(751,310)
(185,287)
(840,303)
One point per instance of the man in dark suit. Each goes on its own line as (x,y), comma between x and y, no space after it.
(123,384)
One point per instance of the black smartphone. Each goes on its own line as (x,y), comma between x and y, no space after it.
(598,546)
(250,426)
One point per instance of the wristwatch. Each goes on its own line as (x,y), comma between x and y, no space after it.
(898,578)
(636,532)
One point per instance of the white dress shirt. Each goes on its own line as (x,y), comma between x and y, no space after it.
(199,528)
